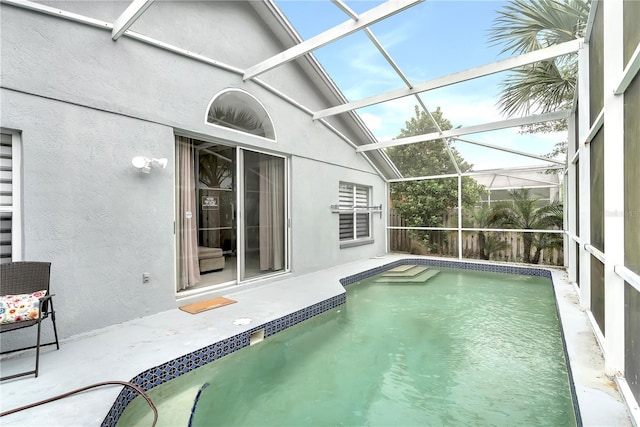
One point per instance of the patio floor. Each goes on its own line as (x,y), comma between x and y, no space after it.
(122,351)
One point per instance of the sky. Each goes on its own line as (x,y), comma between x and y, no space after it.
(429,40)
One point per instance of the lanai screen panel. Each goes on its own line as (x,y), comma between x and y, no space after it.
(596,70)
(631,10)
(596,147)
(597,226)
(632,200)
(577,215)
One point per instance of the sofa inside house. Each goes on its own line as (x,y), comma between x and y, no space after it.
(210,259)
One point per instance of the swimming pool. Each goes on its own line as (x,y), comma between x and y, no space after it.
(486,368)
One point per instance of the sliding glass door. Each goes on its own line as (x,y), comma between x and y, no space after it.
(231,214)
(264,207)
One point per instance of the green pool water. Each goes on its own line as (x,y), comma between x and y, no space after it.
(463,348)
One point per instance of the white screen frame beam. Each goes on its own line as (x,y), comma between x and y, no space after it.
(503,124)
(129,16)
(370,17)
(461,76)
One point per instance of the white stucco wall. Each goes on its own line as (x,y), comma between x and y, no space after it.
(87,105)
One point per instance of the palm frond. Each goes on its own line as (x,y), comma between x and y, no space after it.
(541,87)
(524,26)
(527,25)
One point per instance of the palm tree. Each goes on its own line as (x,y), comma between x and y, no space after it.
(526,213)
(524,26)
(483,217)
(554,220)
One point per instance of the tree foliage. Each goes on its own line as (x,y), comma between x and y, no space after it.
(525,212)
(483,217)
(425,203)
(526,25)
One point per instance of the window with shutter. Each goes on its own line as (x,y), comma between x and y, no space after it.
(9,197)
(355,218)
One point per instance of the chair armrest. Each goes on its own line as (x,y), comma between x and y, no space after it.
(42,301)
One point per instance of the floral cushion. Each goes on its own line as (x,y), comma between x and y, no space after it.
(17,308)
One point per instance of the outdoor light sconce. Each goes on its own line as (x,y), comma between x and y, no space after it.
(144,164)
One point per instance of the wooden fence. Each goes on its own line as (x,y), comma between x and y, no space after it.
(445,243)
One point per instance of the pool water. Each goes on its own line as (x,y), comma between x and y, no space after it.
(462,348)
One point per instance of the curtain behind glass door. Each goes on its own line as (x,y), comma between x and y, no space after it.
(206,217)
(264,204)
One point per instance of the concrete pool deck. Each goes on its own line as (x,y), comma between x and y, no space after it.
(122,351)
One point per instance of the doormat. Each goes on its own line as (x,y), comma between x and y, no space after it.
(209,304)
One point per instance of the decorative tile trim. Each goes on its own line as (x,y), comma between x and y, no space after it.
(167,371)
(461,265)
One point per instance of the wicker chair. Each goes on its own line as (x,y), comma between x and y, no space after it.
(27,277)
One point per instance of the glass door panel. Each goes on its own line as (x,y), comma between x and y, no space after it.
(206,218)
(217,212)
(264,219)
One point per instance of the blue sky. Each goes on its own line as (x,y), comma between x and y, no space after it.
(429,40)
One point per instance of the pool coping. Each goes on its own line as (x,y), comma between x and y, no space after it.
(172,369)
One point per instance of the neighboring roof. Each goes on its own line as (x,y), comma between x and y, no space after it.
(523,178)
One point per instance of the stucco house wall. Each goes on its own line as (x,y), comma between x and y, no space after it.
(86,105)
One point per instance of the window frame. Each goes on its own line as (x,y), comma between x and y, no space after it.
(16,194)
(252,104)
(352,205)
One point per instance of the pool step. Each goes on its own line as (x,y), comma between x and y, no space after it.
(417,279)
(411,271)
(401,268)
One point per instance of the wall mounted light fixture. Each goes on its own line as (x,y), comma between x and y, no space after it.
(144,164)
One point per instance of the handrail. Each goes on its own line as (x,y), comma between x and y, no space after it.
(80,390)
(595,252)
(629,276)
(575,238)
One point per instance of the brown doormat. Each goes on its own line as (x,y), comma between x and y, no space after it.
(209,304)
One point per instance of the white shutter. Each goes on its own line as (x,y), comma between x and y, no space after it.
(362,219)
(355,222)
(346,226)
(362,196)
(6,196)
(362,225)
(345,196)
(345,201)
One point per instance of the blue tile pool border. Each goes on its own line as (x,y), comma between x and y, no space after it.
(158,375)
(461,265)
(170,370)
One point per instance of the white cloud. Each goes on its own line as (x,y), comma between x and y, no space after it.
(372,121)
(386,120)
(465,104)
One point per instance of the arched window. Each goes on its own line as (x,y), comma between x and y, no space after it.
(238,110)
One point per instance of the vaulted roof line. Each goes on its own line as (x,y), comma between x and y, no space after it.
(83,19)
(287,34)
